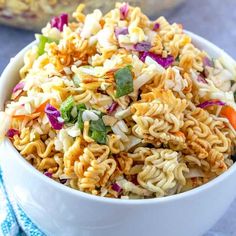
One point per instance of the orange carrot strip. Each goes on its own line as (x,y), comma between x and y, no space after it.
(30,116)
(230,114)
(179,134)
(41,108)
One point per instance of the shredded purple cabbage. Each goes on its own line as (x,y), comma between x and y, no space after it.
(207,62)
(211,103)
(201,79)
(19,86)
(48,174)
(55,21)
(205,72)
(165,62)
(112,107)
(156,26)
(124,10)
(121,31)
(53,114)
(142,47)
(116,187)
(12,132)
(59,21)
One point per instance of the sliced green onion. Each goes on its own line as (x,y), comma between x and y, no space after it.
(80,120)
(124,81)
(74,112)
(81,108)
(66,108)
(42,42)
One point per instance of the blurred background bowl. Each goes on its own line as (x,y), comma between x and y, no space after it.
(34,14)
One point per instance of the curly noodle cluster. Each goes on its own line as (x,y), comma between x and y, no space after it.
(159,141)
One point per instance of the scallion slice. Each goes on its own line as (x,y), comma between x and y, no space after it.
(42,42)
(66,108)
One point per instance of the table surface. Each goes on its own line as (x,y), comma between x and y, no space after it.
(212,19)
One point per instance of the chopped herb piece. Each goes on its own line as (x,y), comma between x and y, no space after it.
(108,129)
(66,108)
(99,137)
(124,81)
(98,131)
(98,125)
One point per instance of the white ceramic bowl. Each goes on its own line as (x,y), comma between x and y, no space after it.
(59,210)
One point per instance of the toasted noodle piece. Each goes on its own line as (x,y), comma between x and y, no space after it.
(161,172)
(206,141)
(176,105)
(71,155)
(125,163)
(94,167)
(115,144)
(119,106)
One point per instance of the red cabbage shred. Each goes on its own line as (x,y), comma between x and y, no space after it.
(12,132)
(124,10)
(59,21)
(210,103)
(165,62)
(53,114)
(142,47)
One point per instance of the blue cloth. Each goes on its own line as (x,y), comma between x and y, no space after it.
(13,220)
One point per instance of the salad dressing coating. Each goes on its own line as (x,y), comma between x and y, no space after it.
(120,106)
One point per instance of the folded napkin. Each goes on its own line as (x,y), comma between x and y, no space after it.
(13,220)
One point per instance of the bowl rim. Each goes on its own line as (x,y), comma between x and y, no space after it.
(77,193)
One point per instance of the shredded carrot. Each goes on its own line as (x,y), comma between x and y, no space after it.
(41,108)
(37,112)
(179,134)
(230,114)
(29,116)
(20,117)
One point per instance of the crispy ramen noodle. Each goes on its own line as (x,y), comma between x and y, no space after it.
(120,106)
